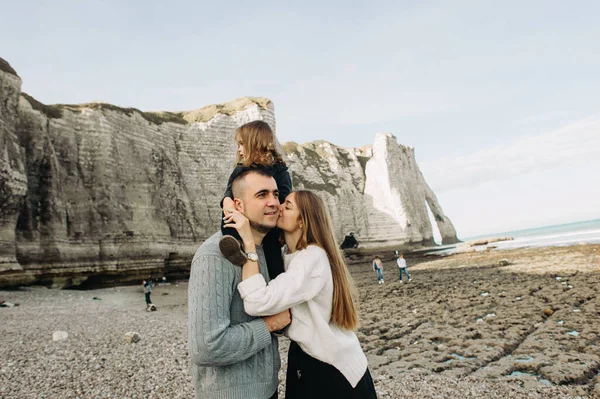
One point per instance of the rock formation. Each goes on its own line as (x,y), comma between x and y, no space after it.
(376,192)
(13,179)
(94,192)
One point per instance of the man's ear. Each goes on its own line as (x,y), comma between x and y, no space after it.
(239,205)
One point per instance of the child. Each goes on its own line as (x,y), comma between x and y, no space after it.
(256,148)
(378,267)
(402,266)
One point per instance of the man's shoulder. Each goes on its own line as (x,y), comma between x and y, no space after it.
(210,247)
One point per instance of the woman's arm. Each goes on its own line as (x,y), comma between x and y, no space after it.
(304,279)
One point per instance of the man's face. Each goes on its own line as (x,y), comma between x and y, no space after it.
(260,202)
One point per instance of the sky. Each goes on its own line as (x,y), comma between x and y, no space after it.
(500,99)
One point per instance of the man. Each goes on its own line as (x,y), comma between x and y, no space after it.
(234,355)
(402,266)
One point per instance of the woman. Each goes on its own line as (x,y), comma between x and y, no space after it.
(325,359)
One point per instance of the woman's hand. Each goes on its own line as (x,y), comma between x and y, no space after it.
(241,223)
(228,205)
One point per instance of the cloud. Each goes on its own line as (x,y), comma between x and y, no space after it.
(576,143)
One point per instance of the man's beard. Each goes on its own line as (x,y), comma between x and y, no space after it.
(260,228)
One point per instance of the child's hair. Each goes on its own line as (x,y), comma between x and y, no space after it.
(319,231)
(259,144)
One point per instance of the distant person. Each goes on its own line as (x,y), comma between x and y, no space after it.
(402,266)
(256,149)
(147,291)
(4,304)
(233,354)
(325,359)
(378,268)
(349,241)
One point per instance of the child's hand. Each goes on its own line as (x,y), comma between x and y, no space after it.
(228,206)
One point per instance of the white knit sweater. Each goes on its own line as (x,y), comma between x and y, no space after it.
(307,288)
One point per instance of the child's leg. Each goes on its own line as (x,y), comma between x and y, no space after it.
(272,249)
(231,244)
(403,270)
(229,231)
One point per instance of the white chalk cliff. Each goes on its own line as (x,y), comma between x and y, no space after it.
(378,192)
(101,193)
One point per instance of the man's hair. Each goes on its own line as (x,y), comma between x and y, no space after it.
(238,186)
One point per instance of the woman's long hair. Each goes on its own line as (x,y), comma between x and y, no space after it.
(259,145)
(317,230)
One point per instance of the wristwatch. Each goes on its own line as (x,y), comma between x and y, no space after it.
(252,256)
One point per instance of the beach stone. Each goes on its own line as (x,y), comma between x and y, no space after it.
(132,337)
(376,360)
(596,390)
(461,249)
(548,312)
(445,321)
(59,335)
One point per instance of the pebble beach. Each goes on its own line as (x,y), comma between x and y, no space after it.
(465,327)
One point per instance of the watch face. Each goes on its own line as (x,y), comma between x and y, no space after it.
(252,256)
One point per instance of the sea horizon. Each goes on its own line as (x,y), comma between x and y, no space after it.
(527,230)
(581,232)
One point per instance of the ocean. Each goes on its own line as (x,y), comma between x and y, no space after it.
(558,235)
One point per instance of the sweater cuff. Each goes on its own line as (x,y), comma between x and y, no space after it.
(251,284)
(261,333)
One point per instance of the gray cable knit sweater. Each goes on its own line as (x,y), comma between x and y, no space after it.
(233,354)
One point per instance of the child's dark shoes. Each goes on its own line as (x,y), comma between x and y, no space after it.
(232,250)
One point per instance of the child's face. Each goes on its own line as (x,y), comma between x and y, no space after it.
(240,145)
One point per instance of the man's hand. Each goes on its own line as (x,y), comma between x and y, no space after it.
(278,321)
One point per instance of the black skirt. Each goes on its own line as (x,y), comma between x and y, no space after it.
(309,378)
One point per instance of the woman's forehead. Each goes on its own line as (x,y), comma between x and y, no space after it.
(291,198)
